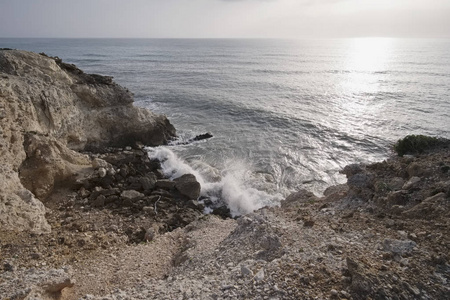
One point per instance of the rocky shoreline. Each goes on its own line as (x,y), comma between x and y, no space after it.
(86,214)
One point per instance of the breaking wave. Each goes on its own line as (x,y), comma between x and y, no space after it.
(235,186)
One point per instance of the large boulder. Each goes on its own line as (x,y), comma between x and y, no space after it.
(48,111)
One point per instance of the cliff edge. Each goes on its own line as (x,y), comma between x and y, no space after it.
(49,110)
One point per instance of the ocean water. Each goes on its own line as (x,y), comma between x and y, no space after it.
(285,114)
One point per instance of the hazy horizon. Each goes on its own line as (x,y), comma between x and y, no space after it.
(278,19)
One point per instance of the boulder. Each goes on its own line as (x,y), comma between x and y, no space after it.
(302,196)
(188,186)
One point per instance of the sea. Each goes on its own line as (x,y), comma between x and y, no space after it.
(285,115)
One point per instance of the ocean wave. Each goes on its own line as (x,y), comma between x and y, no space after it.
(231,186)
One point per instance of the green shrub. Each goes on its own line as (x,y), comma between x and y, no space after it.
(412,144)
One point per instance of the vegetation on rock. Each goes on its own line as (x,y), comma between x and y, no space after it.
(413,144)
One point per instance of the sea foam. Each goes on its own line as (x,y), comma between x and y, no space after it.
(232,186)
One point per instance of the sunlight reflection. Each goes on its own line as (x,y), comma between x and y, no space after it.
(368,54)
(366,62)
(366,68)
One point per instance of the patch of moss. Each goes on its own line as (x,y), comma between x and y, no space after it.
(413,144)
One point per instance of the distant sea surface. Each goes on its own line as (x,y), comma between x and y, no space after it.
(285,114)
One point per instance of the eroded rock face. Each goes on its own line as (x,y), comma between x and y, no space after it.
(49,110)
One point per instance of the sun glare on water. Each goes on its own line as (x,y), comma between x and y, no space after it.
(366,67)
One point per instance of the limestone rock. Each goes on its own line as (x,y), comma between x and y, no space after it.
(48,109)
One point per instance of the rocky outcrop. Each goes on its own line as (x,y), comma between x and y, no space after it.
(355,242)
(48,111)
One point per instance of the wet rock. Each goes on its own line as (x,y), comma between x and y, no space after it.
(195,205)
(222,211)
(188,186)
(204,136)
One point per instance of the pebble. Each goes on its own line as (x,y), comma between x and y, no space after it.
(260,275)
(246,271)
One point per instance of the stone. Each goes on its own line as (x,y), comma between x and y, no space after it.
(396,183)
(165,184)
(308,222)
(131,195)
(429,206)
(100,163)
(195,205)
(99,202)
(412,183)
(352,169)
(188,186)
(415,170)
(245,271)
(398,247)
(302,196)
(222,211)
(101,172)
(397,198)
(259,275)
(148,182)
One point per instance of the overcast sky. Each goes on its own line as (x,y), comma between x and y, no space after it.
(224,18)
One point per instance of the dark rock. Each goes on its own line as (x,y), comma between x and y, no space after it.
(302,196)
(8,266)
(195,205)
(148,182)
(352,169)
(397,198)
(202,137)
(308,222)
(183,218)
(112,199)
(165,184)
(222,211)
(99,202)
(188,186)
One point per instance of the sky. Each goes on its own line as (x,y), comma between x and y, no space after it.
(224,18)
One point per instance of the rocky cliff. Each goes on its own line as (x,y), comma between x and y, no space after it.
(49,110)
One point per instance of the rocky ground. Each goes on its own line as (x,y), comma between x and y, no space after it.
(383,235)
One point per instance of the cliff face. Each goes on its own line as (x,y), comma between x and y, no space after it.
(48,111)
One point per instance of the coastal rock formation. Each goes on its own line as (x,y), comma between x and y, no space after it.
(49,110)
